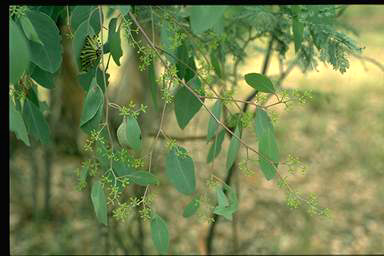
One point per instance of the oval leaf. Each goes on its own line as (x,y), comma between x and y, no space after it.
(16,123)
(160,235)
(216,146)
(233,148)
(262,122)
(99,202)
(191,208)
(19,55)
(186,104)
(92,103)
(180,170)
(36,123)
(114,41)
(298,31)
(129,133)
(29,30)
(212,123)
(204,17)
(81,14)
(49,55)
(43,77)
(268,148)
(143,178)
(259,82)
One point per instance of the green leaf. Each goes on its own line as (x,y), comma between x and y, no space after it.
(94,122)
(204,17)
(92,103)
(216,146)
(129,133)
(191,208)
(221,197)
(29,30)
(154,87)
(185,64)
(212,123)
(99,202)
(166,35)
(16,123)
(186,104)
(262,122)
(100,79)
(180,170)
(298,31)
(259,82)
(268,148)
(216,64)
(226,207)
(49,55)
(19,55)
(114,41)
(36,124)
(234,146)
(43,77)
(143,178)
(160,235)
(81,14)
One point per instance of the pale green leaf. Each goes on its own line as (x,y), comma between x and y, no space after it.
(93,101)
(204,17)
(262,122)
(129,133)
(269,158)
(143,178)
(29,30)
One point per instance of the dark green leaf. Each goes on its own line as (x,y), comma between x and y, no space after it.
(186,104)
(92,103)
(185,64)
(166,35)
(154,87)
(49,55)
(114,41)
(160,235)
(100,79)
(212,123)
(191,208)
(216,64)
(298,30)
(233,148)
(99,202)
(124,9)
(19,55)
(259,82)
(129,133)
(262,122)
(29,30)
(180,170)
(216,146)
(43,78)
(269,152)
(94,122)
(204,17)
(81,14)
(36,124)
(143,178)
(16,123)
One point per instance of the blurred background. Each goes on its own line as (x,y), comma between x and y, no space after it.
(338,135)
